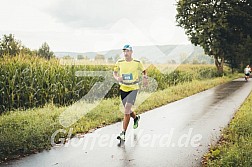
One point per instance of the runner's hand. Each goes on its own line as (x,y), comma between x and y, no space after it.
(119,79)
(145,82)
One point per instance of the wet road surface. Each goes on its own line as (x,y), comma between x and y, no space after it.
(177,134)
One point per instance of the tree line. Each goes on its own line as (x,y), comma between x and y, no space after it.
(221,27)
(10,46)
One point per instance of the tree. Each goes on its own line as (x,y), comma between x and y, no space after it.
(195,61)
(86,58)
(26,51)
(9,46)
(110,60)
(239,34)
(99,57)
(68,57)
(80,57)
(44,51)
(216,25)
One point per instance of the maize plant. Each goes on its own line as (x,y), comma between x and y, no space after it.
(27,82)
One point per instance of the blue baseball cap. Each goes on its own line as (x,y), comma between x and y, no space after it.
(127,47)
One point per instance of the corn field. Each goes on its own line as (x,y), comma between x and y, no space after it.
(27,82)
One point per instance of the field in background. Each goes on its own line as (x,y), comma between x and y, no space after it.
(28,82)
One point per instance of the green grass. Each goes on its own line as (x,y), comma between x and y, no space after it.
(234,149)
(28,82)
(29,131)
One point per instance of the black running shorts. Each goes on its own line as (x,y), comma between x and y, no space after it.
(129,97)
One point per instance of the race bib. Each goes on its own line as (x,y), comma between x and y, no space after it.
(127,77)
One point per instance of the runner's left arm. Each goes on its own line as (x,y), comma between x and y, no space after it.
(144,73)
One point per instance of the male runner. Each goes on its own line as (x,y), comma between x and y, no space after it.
(126,72)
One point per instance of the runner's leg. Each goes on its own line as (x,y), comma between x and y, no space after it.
(133,114)
(126,116)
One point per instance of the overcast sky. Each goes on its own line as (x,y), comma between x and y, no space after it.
(91,25)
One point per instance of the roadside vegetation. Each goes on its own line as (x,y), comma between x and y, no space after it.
(234,149)
(29,131)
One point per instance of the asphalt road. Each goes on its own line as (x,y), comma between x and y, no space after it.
(177,134)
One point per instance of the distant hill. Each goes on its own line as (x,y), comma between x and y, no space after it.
(153,54)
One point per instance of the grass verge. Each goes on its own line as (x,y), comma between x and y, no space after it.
(234,149)
(30,131)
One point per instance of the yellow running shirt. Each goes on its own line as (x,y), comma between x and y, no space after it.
(129,71)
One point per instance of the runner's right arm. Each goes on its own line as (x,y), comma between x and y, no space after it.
(115,73)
